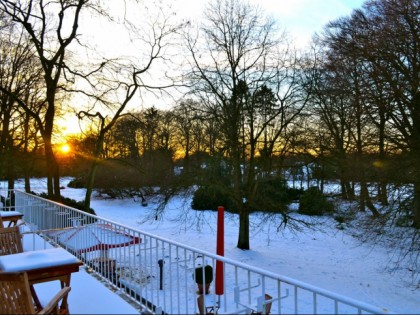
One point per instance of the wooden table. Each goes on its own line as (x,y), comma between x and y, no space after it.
(11,216)
(42,266)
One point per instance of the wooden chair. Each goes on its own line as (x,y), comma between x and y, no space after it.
(10,241)
(10,217)
(16,298)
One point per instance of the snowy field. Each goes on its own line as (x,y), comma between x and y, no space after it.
(327,257)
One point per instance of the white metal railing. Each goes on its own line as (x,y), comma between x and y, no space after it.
(157,273)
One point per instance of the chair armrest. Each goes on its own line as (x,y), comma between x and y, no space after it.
(52,306)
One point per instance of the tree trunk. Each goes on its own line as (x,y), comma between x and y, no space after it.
(346,189)
(94,167)
(416,206)
(416,180)
(10,183)
(53,176)
(365,199)
(53,173)
(243,238)
(89,185)
(383,192)
(27,181)
(416,159)
(382,187)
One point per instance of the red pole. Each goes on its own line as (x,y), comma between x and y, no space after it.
(220,249)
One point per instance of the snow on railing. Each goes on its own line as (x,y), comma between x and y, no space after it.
(161,275)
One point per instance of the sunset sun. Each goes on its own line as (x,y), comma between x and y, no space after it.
(65,148)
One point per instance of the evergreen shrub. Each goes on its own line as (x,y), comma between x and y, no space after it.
(210,197)
(314,202)
(79,182)
(273,195)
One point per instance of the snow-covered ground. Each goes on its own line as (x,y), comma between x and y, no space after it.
(327,257)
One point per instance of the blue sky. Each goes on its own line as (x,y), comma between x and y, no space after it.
(304,17)
(301,18)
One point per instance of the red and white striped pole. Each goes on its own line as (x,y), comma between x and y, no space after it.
(220,249)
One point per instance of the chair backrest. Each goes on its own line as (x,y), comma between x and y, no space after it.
(10,241)
(208,274)
(15,294)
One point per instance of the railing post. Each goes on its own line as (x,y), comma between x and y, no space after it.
(161,262)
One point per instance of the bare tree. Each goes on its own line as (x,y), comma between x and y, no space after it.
(123,138)
(20,75)
(188,126)
(52,27)
(234,55)
(341,106)
(123,80)
(385,36)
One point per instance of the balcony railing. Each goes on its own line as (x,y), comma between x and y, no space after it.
(157,273)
